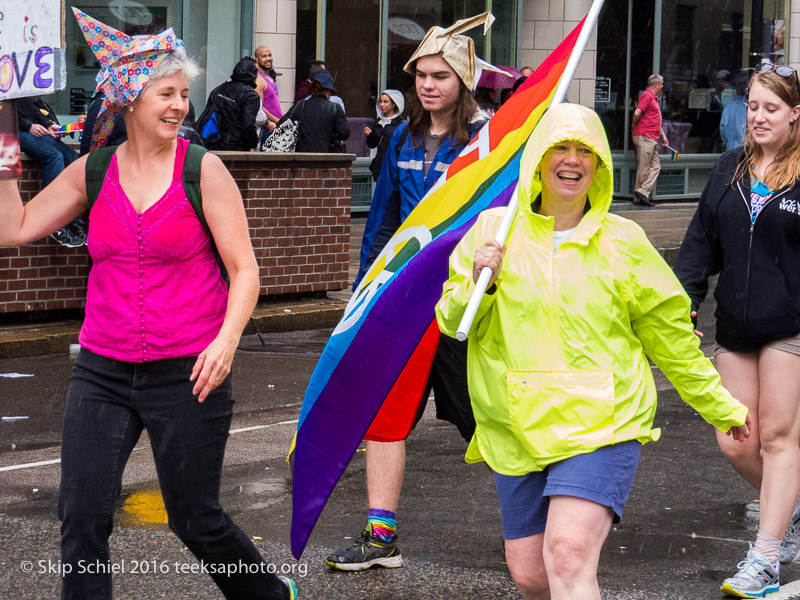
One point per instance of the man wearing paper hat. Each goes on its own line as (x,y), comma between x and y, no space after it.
(442,118)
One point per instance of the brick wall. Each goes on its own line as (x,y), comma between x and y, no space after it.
(298,209)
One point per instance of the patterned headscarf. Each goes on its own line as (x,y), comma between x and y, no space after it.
(126,63)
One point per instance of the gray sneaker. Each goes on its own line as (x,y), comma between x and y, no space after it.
(790,544)
(756,577)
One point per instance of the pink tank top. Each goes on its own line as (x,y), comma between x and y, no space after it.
(271,102)
(155,290)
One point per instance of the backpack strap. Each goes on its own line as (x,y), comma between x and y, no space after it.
(97,163)
(191,185)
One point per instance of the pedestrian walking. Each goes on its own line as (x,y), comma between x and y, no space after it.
(562,390)
(161,325)
(390,106)
(442,118)
(746,230)
(646,133)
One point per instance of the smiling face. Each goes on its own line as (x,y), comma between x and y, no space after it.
(769,118)
(567,171)
(386,105)
(161,107)
(264,58)
(437,85)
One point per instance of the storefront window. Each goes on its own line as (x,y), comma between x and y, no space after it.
(698,42)
(352,51)
(151,16)
(409,20)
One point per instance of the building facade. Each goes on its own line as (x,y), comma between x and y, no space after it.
(365,44)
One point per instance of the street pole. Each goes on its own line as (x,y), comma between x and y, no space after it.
(505,225)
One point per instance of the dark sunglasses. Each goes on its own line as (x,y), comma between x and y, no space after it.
(782,70)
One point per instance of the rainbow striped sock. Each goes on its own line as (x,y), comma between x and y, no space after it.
(384,523)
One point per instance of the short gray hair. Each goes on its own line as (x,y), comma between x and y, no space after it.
(173,63)
(654,79)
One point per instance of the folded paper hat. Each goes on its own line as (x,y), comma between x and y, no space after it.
(458,50)
(126,63)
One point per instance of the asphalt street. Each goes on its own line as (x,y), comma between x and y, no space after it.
(687,523)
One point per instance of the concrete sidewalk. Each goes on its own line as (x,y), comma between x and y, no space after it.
(665,225)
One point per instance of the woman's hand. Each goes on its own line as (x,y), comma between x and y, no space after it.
(697,332)
(367,130)
(212,367)
(489,255)
(742,432)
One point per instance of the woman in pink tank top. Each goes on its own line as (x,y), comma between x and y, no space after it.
(161,326)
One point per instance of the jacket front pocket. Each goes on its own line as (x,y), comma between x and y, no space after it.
(558,413)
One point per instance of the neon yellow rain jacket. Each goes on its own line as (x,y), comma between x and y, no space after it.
(557,361)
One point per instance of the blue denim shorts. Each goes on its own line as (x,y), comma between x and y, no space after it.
(604,476)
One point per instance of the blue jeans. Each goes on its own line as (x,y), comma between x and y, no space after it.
(52,155)
(109,403)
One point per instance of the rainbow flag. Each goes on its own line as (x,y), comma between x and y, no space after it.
(393,306)
(70,128)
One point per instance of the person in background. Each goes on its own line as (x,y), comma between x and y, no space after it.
(390,106)
(526,71)
(302,89)
(646,132)
(561,420)
(322,126)
(38,138)
(267,89)
(746,230)
(442,118)
(724,89)
(161,326)
(486,99)
(733,124)
(239,105)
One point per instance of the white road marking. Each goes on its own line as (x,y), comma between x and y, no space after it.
(56,461)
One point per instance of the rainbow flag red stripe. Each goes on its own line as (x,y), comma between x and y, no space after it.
(394,305)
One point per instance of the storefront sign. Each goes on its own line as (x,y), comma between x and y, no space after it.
(31,52)
(406,28)
(602,89)
(131,12)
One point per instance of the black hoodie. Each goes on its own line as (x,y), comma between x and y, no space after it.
(238,104)
(758,292)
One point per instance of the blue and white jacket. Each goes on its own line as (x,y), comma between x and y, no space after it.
(402,184)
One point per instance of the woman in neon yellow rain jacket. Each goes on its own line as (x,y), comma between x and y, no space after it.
(559,378)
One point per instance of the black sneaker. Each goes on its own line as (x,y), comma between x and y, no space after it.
(368,551)
(642,200)
(72,235)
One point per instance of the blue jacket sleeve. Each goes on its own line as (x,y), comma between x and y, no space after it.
(386,187)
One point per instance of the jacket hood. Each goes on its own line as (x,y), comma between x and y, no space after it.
(245,71)
(569,122)
(397,97)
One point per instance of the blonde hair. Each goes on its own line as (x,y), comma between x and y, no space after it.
(785,168)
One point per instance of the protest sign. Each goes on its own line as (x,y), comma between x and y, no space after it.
(31,48)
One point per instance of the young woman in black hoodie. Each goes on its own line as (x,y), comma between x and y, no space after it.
(747,229)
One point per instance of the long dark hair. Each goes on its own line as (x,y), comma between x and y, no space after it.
(785,168)
(419,119)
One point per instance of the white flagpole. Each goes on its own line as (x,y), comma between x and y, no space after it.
(505,225)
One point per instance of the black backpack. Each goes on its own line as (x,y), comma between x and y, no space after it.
(210,123)
(98,161)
